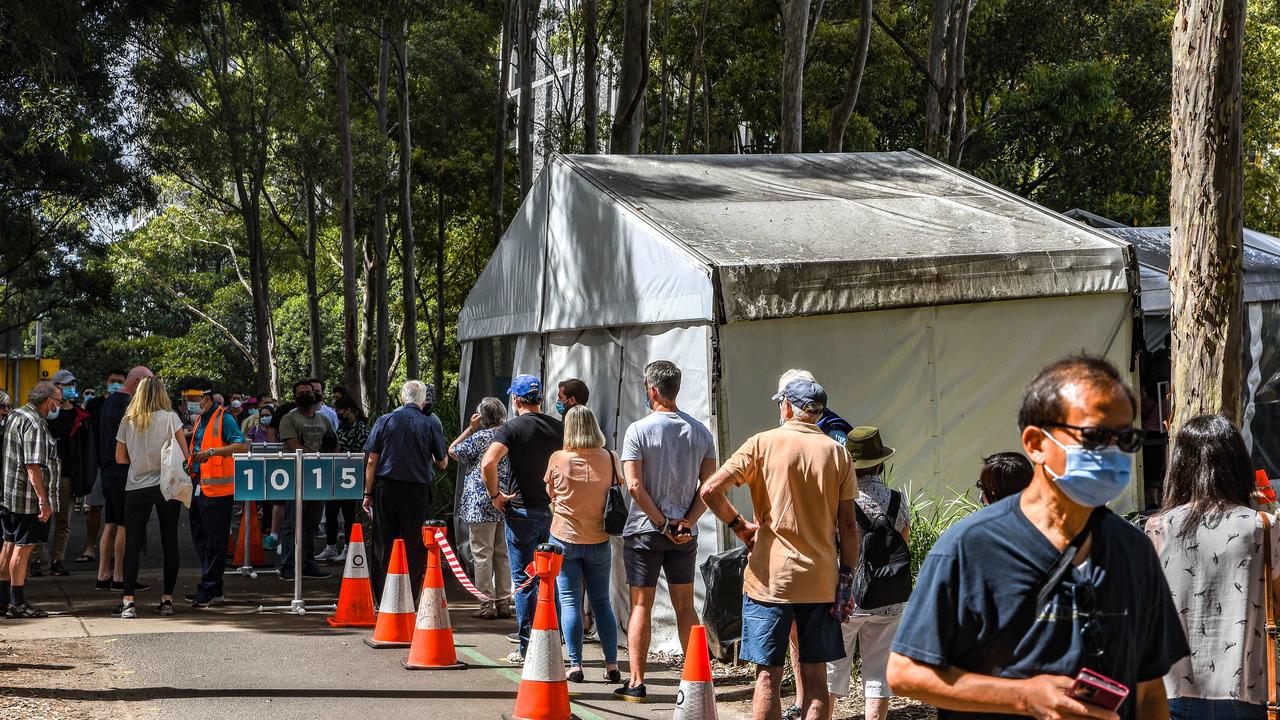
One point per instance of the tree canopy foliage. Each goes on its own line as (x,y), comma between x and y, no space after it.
(214,127)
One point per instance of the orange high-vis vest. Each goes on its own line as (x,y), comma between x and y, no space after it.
(215,473)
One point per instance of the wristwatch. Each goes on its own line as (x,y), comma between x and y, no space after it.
(737,520)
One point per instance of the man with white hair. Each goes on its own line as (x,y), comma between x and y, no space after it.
(398,479)
(30,465)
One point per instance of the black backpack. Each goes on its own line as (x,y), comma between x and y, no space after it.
(883,575)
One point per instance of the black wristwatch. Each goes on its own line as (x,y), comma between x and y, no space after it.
(737,520)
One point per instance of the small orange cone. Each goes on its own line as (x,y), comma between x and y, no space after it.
(394,626)
(432,647)
(355,599)
(696,698)
(235,543)
(544,687)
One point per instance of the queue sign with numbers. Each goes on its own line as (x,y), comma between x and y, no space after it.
(324,477)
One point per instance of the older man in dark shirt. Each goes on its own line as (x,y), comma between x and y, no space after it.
(398,479)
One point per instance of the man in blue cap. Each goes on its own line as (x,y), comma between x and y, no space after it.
(528,441)
(802,489)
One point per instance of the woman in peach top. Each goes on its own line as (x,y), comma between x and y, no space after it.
(578,480)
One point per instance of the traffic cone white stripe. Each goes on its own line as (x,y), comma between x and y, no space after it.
(433,613)
(357,565)
(397,598)
(543,661)
(695,701)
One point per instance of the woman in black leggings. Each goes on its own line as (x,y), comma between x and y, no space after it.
(148,424)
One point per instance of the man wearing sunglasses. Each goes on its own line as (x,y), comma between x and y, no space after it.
(1019,598)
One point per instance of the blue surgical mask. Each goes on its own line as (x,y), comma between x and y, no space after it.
(561,409)
(1092,478)
(115,387)
(53,415)
(69,394)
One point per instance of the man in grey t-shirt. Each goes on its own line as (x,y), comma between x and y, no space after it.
(665,458)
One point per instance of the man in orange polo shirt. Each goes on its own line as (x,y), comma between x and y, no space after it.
(214,438)
(802,488)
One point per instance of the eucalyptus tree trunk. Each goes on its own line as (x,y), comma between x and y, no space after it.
(350,309)
(1206,210)
(842,112)
(633,79)
(590,78)
(410,248)
(795,26)
(497,191)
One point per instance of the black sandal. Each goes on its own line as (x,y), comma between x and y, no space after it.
(25,611)
(792,713)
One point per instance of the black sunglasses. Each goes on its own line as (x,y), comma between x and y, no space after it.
(1128,439)
(1086,606)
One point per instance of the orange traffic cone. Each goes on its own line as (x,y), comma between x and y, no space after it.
(235,543)
(432,647)
(394,626)
(696,698)
(355,599)
(544,687)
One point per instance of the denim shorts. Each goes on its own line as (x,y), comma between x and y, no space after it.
(766,632)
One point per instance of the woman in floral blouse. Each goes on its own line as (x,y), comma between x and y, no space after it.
(485,526)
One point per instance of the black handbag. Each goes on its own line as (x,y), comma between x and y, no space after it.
(615,504)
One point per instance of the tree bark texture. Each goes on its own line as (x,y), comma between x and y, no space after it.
(590,78)
(842,112)
(350,309)
(1206,210)
(497,192)
(313,285)
(795,27)
(442,224)
(633,79)
(939,21)
(410,248)
(528,27)
(382,338)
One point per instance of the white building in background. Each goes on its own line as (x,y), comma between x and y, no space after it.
(557,84)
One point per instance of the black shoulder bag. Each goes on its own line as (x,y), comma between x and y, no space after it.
(615,504)
(1002,650)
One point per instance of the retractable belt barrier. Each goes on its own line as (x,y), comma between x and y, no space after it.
(454,564)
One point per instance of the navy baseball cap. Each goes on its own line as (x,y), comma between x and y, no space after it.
(804,394)
(525,386)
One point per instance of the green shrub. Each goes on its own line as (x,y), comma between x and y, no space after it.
(930,517)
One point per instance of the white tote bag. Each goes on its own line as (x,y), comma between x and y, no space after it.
(175,484)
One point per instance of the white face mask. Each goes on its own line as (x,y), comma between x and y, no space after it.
(193,408)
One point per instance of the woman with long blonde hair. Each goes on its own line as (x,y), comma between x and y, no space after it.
(149,422)
(578,481)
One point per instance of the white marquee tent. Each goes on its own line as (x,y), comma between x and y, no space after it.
(922,298)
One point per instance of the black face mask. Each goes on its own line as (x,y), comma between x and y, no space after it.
(305,400)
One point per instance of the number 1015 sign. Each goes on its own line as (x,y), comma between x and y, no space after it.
(323,478)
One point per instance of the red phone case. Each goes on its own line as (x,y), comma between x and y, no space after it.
(1099,690)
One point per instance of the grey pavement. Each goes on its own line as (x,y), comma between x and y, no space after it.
(231,661)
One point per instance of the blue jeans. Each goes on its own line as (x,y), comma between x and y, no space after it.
(1199,709)
(526,530)
(589,563)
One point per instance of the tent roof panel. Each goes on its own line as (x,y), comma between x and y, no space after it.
(1261,264)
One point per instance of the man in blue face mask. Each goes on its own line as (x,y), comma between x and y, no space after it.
(1015,601)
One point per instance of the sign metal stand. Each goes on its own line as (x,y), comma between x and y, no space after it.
(297,605)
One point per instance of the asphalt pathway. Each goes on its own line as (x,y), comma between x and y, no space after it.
(231,661)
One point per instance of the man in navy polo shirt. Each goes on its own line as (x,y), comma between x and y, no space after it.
(398,479)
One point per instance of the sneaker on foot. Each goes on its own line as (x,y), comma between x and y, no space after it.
(329,553)
(635,694)
(59,570)
(119,587)
(128,611)
(504,611)
(191,597)
(165,608)
(342,555)
(200,602)
(104,585)
(270,542)
(513,638)
(315,573)
(515,658)
(486,612)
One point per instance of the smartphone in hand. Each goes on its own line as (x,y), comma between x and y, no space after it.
(1100,690)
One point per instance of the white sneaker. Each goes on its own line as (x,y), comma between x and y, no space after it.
(342,555)
(329,553)
(515,658)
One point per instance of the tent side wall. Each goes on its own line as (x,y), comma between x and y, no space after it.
(942,383)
